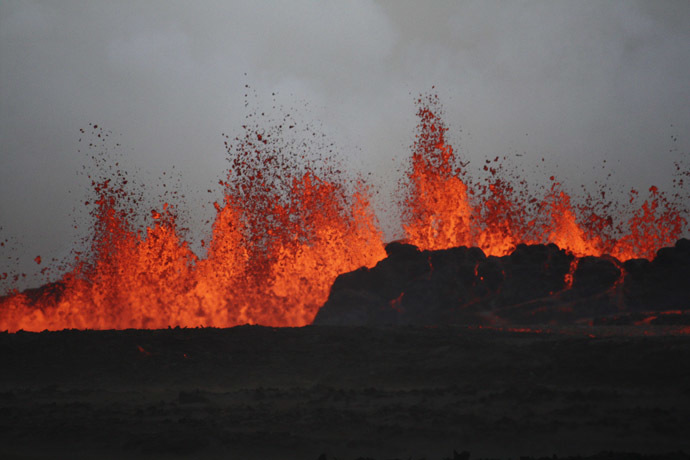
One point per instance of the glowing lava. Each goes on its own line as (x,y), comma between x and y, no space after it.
(287,227)
(438,212)
(278,242)
(442,211)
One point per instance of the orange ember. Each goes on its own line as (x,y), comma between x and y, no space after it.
(287,227)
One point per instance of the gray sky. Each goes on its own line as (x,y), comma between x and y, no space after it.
(574,82)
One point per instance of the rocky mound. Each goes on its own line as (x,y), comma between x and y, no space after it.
(536,284)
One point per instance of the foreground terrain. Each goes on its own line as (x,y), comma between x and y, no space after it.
(263,393)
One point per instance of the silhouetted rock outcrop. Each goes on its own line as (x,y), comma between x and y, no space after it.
(534,284)
(663,283)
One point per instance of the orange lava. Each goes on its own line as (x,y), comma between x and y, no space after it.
(272,257)
(442,211)
(439,212)
(285,230)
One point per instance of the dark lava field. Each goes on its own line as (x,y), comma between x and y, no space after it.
(343,392)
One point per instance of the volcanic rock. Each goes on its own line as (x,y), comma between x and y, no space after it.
(535,284)
(533,272)
(663,283)
(407,287)
(595,275)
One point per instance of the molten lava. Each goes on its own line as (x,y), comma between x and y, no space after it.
(287,227)
(278,242)
(441,211)
(438,212)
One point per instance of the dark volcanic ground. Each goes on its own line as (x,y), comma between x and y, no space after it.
(264,393)
(463,286)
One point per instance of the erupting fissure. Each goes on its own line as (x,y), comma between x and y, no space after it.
(442,211)
(287,227)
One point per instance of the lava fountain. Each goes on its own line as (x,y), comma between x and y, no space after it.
(282,234)
(288,226)
(442,209)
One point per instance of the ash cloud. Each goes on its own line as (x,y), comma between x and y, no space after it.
(576,83)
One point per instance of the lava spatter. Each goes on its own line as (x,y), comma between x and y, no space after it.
(291,221)
(444,209)
(285,229)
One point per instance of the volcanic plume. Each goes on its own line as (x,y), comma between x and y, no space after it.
(290,223)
